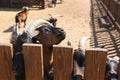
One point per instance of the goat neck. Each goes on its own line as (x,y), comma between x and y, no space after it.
(47,57)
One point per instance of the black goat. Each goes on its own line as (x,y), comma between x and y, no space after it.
(78,60)
(54,2)
(111,68)
(42,32)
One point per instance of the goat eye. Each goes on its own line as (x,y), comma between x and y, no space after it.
(47,30)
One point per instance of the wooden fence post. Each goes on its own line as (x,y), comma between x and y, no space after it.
(119,70)
(33,59)
(62,62)
(114,8)
(118,13)
(6,72)
(95,64)
(103,1)
(107,3)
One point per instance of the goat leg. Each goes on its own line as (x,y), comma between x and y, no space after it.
(24,24)
(19,23)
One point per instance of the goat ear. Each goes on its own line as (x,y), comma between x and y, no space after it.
(37,29)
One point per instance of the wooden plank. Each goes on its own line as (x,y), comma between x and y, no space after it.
(6,72)
(117,8)
(107,3)
(104,1)
(62,62)
(119,70)
(95,63)
(117,26)
(33,59)
(118,13)
(113,8)
(4,3)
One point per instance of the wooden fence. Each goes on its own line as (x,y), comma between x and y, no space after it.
(21,3)
(112,8)
(95,62)
(6,72)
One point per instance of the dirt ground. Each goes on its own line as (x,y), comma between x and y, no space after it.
(75,20)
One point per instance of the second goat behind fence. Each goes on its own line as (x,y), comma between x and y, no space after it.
(22,16)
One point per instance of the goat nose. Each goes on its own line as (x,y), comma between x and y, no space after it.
(61,30)
(114,77)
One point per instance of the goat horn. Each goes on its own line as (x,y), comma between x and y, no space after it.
(33,25)
(82,42)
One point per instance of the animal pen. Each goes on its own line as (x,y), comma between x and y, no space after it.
(95,59)
(95,62)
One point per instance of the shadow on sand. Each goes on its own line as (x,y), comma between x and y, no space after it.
(103,37)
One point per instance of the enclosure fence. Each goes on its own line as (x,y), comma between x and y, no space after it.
(112,8)
(95,62)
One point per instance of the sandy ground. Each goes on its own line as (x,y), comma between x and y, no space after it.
(75,20)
